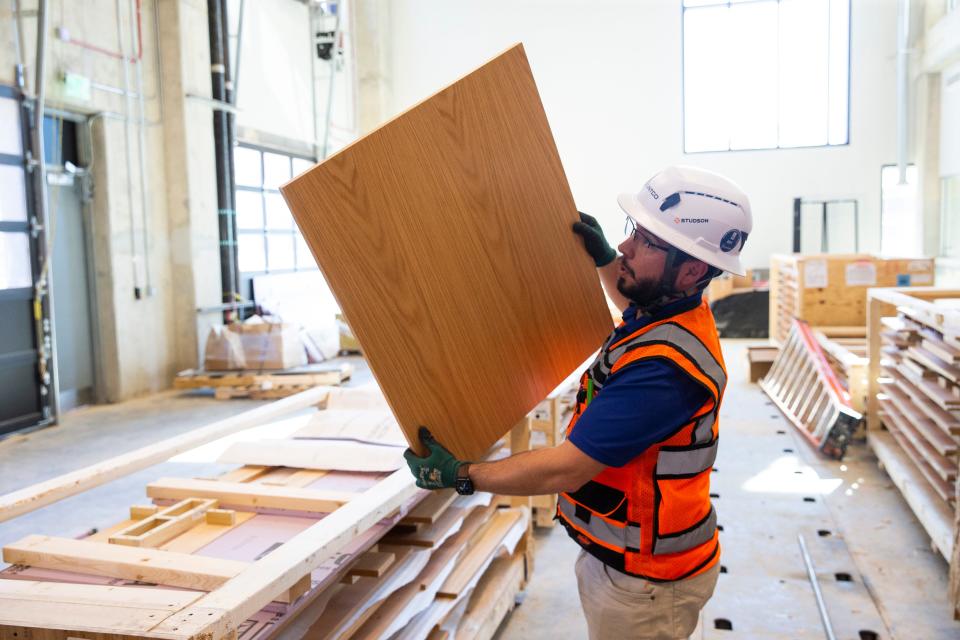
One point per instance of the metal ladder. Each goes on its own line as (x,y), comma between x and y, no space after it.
(805,388)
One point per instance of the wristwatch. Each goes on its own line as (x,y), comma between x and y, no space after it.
(464,485)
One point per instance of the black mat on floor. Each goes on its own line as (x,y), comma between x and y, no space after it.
(743,315)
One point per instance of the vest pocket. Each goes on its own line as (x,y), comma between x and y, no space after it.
(602,499)
(685,517)
(599,514)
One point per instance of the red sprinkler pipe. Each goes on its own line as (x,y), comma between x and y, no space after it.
(116,54)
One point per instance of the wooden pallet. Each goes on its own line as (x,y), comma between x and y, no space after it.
(263,385)
(913,407)
(805,388)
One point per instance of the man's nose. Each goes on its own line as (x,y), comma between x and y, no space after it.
(626,247)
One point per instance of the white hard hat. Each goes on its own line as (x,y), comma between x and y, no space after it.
(697,211)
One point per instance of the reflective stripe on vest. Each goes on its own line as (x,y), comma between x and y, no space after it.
(668,333)
(703,432)
(604,531)
(686,461)
(695,536)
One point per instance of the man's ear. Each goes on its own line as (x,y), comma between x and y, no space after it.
(691,272)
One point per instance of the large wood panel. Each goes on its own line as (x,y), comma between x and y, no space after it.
(446,238)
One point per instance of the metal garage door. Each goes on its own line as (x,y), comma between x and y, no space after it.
(23,398)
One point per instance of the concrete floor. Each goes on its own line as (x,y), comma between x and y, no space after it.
(771,486)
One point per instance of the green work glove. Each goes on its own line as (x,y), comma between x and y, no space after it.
(438,470)
(592,235)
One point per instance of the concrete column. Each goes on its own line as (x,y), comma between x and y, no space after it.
(371,23)
(191,175)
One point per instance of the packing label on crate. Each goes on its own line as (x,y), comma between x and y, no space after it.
(815,274)
(861,274)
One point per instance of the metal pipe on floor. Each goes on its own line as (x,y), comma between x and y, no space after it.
(812,574)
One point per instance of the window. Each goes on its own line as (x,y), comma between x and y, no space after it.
(268,239)
(765,74)
(950,216)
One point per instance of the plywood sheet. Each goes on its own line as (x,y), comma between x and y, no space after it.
(446,238)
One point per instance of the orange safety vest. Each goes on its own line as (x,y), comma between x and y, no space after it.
(652,517)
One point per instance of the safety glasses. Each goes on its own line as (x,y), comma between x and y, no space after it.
(630,228)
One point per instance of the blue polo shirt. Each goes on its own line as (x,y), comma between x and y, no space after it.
(641,404)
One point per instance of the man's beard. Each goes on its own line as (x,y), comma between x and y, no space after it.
(640,291)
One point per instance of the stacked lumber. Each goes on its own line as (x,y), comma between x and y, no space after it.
(914,406)
(830,291)
(547,423)
(263,384)
(324,546)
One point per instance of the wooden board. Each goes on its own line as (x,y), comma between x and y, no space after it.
(248,494)
(446,238)
(431,508)
(482,547)
(429,536)
(86,608)
(167,568)
(943,443)
(370,425)
(494,596)
(317,454)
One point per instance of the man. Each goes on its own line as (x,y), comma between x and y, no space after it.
(634,472)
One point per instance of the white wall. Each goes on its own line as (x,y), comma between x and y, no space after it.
(610,77)
(274,89)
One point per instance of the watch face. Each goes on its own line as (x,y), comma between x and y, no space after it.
(464,486)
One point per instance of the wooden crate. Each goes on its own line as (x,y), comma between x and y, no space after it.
(913,407)
(829,290)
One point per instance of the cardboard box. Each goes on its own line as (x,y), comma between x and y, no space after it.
(348,342)
(271,345)
(224,350)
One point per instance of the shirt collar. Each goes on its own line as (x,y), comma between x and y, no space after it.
(633,313)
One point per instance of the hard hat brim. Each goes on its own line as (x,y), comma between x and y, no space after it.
(654,222)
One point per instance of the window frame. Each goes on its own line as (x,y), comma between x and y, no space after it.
(263,230)
(683,89)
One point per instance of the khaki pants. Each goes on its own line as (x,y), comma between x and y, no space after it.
(618,606)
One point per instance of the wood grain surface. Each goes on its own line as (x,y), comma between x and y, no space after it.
(446,238)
